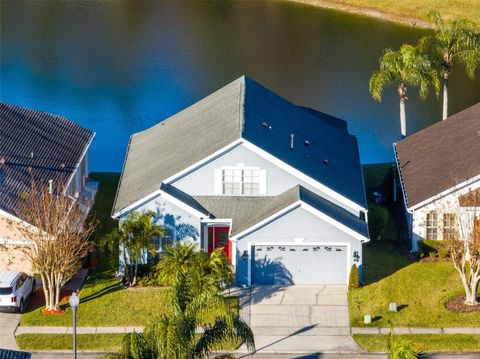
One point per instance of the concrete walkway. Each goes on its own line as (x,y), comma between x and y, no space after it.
(8,324)
(408,330)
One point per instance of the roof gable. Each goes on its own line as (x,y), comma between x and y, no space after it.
(440,157)
(39,145)
(243,109)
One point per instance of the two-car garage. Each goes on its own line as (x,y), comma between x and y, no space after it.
(299,264)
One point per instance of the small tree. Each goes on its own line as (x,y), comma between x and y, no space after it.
(464,248)
(456,41)
(134,236)
(57,235)
(353,282)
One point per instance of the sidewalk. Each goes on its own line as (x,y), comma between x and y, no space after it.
(415,330)
(122,330)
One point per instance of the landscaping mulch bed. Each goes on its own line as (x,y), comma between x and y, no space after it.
(458,305)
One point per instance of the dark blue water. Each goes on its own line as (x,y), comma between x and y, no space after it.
(118,67)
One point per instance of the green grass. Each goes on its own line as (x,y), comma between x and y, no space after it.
(419,289)
(423,342)
(104,342)
(415,9)
(102,301)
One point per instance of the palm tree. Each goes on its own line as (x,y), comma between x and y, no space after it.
(134,236)
(173,335)
(205,272)
(454,41)
(404,67)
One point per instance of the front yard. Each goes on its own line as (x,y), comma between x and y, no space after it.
(102,301)
(419,289)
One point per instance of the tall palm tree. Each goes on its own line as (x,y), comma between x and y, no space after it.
(453,41)
(406,66)
(173,335)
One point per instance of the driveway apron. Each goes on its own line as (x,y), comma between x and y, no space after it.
(305,319)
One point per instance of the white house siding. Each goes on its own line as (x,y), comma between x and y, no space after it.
(201,182)
(185,226)
(298,226)
(445,204)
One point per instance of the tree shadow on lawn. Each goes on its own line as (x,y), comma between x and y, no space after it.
(381,260)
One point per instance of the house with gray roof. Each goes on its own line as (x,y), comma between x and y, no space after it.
(439,170)
(48,149)
(278,186)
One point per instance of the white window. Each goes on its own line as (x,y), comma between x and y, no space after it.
(241,181)
(159,244)
(449,226)
(432,225)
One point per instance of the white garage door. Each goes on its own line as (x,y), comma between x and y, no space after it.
(299,264)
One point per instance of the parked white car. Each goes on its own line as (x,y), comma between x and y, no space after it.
(15,288)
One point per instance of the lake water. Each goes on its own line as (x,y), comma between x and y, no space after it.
(118,67)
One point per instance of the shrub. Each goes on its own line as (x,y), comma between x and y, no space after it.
(377,219)
(433,248)
(353,282)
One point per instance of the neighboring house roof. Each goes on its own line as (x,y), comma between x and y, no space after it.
(247,211)
(39,145)
(243,109)
(440,157)
(14,354)
(470,199)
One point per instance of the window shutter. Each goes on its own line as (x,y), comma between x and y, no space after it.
(217,187)
(263,182)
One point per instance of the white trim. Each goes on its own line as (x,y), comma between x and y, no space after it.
(335,223)
(85,150)
(273,243)
(182,205)
(266,220)
(308,208)
(16,219)
(302,176)
(200,163)
(17,242)
(445,193)
(137,204)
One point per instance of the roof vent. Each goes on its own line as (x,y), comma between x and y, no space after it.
(264,124)
(31,154)
(2,161)
(307,143)
(50,186)
(292,136)
(325,161)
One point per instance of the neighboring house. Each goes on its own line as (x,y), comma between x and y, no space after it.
(439,171)
(47,148)
(278,186)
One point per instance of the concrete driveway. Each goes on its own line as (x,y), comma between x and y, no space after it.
(8,324)
(303,319)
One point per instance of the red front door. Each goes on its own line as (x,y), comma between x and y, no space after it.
(218,237)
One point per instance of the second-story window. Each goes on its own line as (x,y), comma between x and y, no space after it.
(432,225)
(241,181)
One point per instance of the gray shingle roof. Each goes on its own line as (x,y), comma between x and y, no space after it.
(246,211)
(14,354)
(38,144)
(241,109)
(440,156)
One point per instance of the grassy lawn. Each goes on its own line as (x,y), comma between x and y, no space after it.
(64,341)
(104,342)
(423,342)
(414,9)
(102,301)
(419,289)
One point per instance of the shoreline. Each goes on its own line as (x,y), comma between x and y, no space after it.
(370,12)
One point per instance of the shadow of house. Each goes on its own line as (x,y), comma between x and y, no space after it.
(181,230)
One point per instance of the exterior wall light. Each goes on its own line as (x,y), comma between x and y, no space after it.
(356,257)
(245,255)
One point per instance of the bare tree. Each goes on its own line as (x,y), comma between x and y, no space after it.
(56,232)
(464,246)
